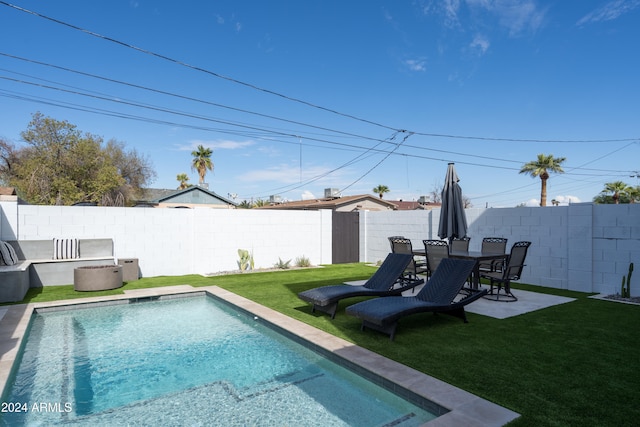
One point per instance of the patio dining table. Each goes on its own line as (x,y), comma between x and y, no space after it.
(473,255)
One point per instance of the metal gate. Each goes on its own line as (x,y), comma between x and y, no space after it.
(345,237)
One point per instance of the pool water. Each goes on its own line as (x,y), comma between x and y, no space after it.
(185,361)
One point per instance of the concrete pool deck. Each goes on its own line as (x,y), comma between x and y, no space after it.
(463,408)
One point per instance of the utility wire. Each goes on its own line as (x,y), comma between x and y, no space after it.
(289,98)
(193,67)
(187,98)
(249,112)
(266,131)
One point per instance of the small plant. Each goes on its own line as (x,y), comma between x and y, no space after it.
(303,261)
(625,291)
(283,265)
(246,260)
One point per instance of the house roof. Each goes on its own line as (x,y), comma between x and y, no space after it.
(413,205)
(7,191)
(331,203)
(163,195)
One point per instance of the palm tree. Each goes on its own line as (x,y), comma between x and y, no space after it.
(615,191)
(634,194)
(380,190)
(541,167)
(183,179)
(202,161)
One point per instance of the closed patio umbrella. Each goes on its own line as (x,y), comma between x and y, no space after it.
(453,221)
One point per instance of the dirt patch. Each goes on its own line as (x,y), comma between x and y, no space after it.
(632,300)
(257,270)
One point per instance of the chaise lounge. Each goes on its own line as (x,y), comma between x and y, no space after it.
(389,279)
(436,296)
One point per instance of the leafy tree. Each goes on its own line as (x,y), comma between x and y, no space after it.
(8,158)
(541,168)
(245,204)
(133,167)
(380,190)
(61,165)
(183,179)
(202,161)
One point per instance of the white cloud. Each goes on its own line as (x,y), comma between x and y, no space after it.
(565,200)
(448,9)
(517,16)
(609,11)
(415,64)
(480,44)
(307,195)
(290,174)
(562,201)
(219,19)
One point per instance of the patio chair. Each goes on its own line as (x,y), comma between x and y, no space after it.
(402,245)
(392,238)
(494,245)
(388,279)
(510,271)
(436,251)
(437,296)
(460,244)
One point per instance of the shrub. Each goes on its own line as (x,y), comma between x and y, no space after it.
(303,261)
(246,260)
(282,264)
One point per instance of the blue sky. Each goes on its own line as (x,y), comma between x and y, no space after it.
(295,97)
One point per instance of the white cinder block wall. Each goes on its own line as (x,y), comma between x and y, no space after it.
(583,247)
(181,241)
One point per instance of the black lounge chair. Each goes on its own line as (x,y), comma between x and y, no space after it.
(402,245)
(387,280)
(436,296)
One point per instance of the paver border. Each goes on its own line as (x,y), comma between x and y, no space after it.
(464,408)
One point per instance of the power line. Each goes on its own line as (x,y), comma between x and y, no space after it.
(193,67)
(268,131)
(298,100)
(390,141)
(187,98)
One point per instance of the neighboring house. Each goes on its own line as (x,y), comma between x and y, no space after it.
(415,205)
(9,194)
(339,204)
(7,191)
(192,197)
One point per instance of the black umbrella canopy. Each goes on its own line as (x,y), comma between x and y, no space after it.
(453,221)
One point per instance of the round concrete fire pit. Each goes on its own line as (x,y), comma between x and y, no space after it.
(97,277)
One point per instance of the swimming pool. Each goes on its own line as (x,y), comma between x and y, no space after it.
(186,361)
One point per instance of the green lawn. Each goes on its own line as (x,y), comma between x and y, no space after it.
(575,364)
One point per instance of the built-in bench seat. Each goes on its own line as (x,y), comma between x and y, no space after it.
(37,267)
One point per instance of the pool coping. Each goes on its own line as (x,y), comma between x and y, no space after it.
(464,408)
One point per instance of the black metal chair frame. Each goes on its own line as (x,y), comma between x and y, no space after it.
(402,245)
(511,271)
(460,244)
(492,244)
(436,251)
